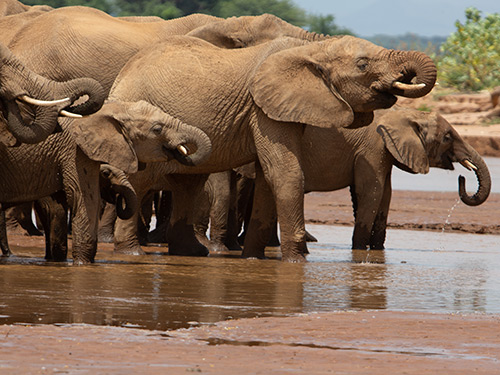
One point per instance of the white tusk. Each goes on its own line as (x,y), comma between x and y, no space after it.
(467,164)
(44,103)
(183,150)
(406,86)
(69,114)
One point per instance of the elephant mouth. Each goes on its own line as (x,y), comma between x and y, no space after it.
(180,153)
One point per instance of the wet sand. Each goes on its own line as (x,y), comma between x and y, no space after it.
(367,342)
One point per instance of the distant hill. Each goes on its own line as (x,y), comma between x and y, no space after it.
(409,41)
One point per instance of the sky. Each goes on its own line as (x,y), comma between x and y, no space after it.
(397,17)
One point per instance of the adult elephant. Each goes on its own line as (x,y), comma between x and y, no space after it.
(31,104)
(69,161)
(254,103)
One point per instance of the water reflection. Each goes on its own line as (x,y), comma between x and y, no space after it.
(436,272)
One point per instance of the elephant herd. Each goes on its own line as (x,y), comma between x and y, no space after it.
(95,106)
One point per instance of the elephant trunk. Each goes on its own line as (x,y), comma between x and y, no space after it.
(417,73)
(183,138)
(475,162)
(116,189)
(29,101)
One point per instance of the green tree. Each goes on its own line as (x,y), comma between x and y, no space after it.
(471,55)
(103,5)
(284,9)
(325,25)
(160,8)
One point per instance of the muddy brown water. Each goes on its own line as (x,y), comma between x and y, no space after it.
(419,271)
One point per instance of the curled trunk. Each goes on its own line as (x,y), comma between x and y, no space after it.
(184,138)
(417,73)
(116,189)
(32,123)
(477,164)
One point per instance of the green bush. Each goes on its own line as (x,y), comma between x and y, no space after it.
(471,55)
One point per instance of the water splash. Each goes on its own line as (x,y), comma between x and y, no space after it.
(450,212)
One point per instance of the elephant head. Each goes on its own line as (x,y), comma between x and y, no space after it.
(334,82)
(419,140)
(123,134)
(246,31)
(31,104)
(116,189)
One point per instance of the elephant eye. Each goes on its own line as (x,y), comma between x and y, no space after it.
(362,64)
(157,128)
(447,138)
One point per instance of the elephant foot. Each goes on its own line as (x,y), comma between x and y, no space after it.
(294,252)
(216,247)
(128,248)
(6,254)
(105,237)
(84,253)
(57,255)
(184,249)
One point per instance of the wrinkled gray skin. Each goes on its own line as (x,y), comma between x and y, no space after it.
(31,123)
(363,159)
(70,161)
(255,104)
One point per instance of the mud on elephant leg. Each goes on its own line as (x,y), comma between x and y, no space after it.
(181,234)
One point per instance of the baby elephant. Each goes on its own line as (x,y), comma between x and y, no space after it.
(362,158)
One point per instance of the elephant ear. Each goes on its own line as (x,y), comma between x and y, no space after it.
(291,86)
(102,137)
(403,140)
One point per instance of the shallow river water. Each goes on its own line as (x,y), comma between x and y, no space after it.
(419,271)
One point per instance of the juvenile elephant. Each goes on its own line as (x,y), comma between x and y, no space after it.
(255,103)
(121,134)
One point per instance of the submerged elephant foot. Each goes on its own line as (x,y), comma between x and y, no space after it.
(84,253)
(128,248)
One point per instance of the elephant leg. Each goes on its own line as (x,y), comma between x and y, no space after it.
(84,199)
(125,235)
(4,243)
(366,193)
(244,196)
(220,202)
(202,216)
(262,218)
(233,228)
(145,215)
(377,239)
(162,213)
(279,153)
(181,234)
(107,223)
(53,214)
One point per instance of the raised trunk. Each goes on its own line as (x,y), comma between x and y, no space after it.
(476,163)
(417,73)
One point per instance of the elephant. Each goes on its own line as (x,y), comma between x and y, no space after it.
(70,161)
(362,159)
(255,104)
(30,104)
